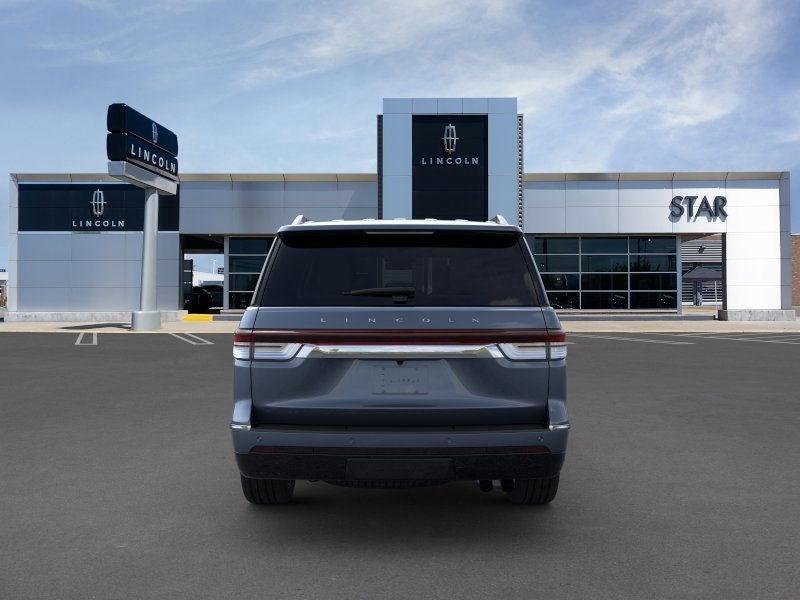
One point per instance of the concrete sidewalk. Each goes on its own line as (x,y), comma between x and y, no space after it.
(583,324)
(681,326)
(72,327)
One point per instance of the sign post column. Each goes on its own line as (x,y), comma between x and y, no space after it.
(148,317)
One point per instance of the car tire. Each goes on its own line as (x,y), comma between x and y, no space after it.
(267,491)
(533,491)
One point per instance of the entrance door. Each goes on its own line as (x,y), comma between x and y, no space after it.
(246,256)
(203,276)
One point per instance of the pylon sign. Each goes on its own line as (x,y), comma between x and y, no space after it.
(139,140)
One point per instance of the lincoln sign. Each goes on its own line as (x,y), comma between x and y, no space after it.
(136,139)
(83,207)
(449,170)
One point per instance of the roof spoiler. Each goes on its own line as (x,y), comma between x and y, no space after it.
(497,219)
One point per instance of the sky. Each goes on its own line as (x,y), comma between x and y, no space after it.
(295,86)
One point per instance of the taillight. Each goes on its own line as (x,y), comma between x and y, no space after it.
(242,345)
(247,345)
(267,351)
(552,347)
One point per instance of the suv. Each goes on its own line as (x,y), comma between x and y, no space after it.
(391,353)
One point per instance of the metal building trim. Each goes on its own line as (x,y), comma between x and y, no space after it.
(520,173)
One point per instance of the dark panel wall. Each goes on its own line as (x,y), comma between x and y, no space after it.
(69,207)
(450,184)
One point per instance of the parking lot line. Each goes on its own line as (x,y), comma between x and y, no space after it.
(696,334)
(768,337)
(772,341)
(80,342)
(791,338)
(761,339)
(190,338)
(630,339)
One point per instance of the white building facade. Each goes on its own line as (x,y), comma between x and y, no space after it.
(603,241)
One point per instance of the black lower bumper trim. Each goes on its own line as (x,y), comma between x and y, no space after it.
(370,464)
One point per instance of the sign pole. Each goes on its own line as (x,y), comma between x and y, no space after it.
(148,317)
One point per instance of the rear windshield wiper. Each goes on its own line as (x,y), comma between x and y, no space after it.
(398,293)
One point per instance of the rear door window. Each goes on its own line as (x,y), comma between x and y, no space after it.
(431,268)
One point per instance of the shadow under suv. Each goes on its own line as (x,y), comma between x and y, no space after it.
(398,353)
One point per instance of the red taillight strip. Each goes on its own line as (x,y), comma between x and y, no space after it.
(243,336)
(400,336)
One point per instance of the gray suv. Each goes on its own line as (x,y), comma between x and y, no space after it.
(391,353)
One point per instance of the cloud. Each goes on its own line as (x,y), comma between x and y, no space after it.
(698,55)
(345,33)
(682,67)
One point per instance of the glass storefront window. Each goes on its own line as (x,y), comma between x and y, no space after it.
(654,300)
(654,281)
(604,245)
(564,300)
(245,264)
(557,263)
(604,300)
(560,281)
(604,262)
(249,245)
(559,245)
(653,262)
(246,258)
(608,272)
(603,281)
(239,300)
(242,283)
(657,245)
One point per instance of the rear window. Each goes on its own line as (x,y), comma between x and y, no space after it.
(438,268)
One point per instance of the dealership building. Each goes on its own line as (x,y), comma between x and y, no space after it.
(603,241)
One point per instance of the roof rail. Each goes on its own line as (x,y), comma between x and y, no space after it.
(299,220)
(499,219)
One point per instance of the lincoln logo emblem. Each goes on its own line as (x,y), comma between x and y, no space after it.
(155,133)
(449,139)
(98,203)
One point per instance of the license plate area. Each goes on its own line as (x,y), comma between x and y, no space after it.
(399,468)
(400,380)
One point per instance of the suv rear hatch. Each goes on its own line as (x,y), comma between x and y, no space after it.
(399,328)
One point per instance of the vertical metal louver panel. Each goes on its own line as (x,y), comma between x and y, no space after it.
(520,174)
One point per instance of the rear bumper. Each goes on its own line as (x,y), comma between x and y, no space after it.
(436,454)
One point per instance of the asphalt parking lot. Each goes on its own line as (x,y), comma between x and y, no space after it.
(118,481)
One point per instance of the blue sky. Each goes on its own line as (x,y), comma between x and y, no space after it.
(295,86)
